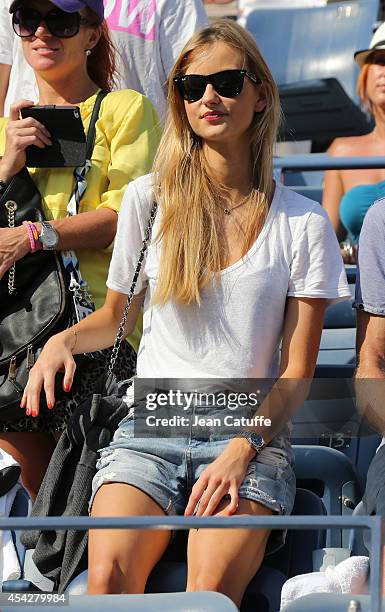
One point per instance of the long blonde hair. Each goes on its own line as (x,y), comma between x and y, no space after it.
(192,248)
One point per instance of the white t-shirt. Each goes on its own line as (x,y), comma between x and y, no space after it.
(149,35)
(236,332)
(22,79)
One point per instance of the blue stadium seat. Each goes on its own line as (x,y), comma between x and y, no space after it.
(333,477)
(309,191)
(338,340)
(356,539)
(312,43)
(296,556)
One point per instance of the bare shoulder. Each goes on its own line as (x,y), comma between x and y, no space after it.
(350,145)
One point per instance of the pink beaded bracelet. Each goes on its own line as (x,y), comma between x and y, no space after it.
(33,236)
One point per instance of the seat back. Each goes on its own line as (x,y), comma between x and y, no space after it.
(333,478)
(311,192)
(356,541)
(295,557)
(312,43)
(338,340)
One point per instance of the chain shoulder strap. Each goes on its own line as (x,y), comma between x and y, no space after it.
(130,295)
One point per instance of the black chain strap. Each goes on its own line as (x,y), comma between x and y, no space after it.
(120,334)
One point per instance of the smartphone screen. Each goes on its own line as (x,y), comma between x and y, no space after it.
(65,125)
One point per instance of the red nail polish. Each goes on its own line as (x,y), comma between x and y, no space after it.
(67,388)
(28,412)
(22,405)
(34,413)
(50,405)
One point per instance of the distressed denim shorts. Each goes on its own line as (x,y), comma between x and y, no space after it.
(167,468)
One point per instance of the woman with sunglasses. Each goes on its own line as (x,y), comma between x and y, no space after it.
(67,44)
(348,194)
(237,264)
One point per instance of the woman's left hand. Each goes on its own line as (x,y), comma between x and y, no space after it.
(14,244)
(222,477)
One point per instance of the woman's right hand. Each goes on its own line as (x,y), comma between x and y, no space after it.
(20,134)
(56,356)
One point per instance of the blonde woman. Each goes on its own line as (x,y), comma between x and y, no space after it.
(237,264)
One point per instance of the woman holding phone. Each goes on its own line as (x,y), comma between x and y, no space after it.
(67,44)
(237,264)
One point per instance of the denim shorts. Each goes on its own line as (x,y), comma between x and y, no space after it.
(167,468)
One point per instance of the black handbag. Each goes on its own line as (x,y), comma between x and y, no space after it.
(35,300)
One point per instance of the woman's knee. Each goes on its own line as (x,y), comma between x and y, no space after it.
(32,451)
(206,582)
(206,579)
(107,576)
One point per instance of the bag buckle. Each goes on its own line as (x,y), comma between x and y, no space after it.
(30,357)
(12,369)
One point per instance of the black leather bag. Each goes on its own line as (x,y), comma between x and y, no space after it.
(35,301)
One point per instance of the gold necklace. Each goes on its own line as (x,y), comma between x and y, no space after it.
(228,210)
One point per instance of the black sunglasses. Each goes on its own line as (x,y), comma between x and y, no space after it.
(228,83)
(25,22)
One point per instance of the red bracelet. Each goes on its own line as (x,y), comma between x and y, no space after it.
(33,236)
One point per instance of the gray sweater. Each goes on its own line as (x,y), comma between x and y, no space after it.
(66,489)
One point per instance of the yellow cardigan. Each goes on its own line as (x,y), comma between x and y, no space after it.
(127,136)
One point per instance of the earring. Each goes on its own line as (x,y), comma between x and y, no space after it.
(88,52)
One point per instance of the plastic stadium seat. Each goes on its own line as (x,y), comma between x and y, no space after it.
(172,602)
(311,192)
(365,448)
(306,180)
(313,43)
(356,539)
(296,556)
(333,476)
(338,340)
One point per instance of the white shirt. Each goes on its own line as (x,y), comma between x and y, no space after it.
(22,79)
(149,35)
(237,330)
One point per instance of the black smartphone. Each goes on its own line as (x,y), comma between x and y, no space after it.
(65,125)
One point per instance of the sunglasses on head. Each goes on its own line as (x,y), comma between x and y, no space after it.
(227,83)
(25,22)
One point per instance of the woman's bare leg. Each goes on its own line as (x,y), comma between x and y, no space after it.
(33,451)
(127,556)
(226,560)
